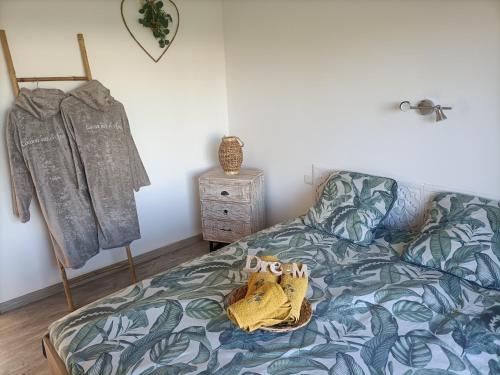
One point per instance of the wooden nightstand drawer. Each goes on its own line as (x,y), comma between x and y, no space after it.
(226,211)
(224,231)
(225,191)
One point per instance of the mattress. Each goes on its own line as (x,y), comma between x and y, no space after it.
(372,314)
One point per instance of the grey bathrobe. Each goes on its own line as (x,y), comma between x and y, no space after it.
(99,133)
(41,159)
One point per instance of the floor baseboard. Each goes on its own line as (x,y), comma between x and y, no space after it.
(94,275)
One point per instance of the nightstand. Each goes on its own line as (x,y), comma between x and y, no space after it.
(232,206)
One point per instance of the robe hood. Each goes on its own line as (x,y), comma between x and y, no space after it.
(40,103)
(93,94)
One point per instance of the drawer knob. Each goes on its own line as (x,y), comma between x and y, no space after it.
(226,230)
(224,193)
(226,212)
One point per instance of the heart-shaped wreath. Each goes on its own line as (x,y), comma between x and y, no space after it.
(152,15)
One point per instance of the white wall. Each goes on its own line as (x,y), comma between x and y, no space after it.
(307,81)
(177,111)
(320,81)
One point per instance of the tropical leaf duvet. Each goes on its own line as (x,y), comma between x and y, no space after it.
(373,314)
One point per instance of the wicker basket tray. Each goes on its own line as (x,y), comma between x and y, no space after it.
(305,312)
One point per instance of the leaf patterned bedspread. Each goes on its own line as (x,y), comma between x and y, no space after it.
(373,314)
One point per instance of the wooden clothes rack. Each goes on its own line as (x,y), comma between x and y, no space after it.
(87,77)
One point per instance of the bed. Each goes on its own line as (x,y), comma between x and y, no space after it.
(373,313)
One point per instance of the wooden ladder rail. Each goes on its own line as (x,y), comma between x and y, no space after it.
(15,80)
(15,87)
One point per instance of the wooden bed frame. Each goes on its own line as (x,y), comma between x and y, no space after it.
(56,364)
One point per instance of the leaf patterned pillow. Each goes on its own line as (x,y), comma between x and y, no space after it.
(461,236)
(353,205)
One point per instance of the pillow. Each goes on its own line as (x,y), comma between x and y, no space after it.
(353,205)
(461,236)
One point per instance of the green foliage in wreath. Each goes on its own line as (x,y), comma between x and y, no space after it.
(156,19)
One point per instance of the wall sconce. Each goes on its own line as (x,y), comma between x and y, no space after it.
(426,107)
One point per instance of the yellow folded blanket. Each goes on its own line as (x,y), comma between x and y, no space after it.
(295,289)
(265,307)
(257,279)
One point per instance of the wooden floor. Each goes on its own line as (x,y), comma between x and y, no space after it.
(21,330)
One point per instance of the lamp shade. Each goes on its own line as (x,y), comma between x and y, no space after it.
(440,116)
